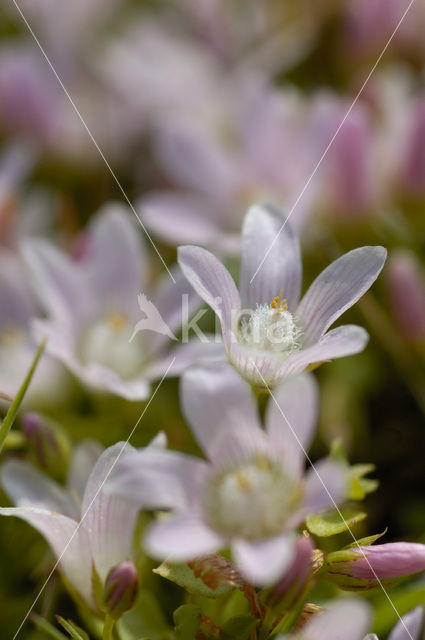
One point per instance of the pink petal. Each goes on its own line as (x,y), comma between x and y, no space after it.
(212,282)
(346,620)
(337,288)
(59,283)
(265,561)
(292,417)
(84,456)
(215,401)
(267,237)
(181,538)
(180,218)
(337,343)
(259,368)
(414,622)
(108,520)
(28,487)
(184,355)
(115,267)
(159,479)
(59,530)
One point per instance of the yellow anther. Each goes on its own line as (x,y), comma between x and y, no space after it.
(116,321)
(279,303)
(242,481)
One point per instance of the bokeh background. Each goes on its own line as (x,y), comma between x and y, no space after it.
(195,110)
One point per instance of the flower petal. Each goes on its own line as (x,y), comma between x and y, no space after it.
(259,368)
(115,263)
(414,621)
(324,487)
(212,282)
(264,562)
(84,457)
(180,218)
(27,487)
(291,418)
(215,399)
(158,479)
(181,538)
(68,541)
(337,343)
(108,520)
(186,354)
(59,283)
(267,236)
(337,288)
(346,620)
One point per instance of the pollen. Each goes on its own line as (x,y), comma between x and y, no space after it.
(279,303)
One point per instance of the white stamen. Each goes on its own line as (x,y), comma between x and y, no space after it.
(251,501)
(270,329)
(107,342)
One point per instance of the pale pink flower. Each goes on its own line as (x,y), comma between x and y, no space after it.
(93,308)
(410,627)
(252,492)
(104,537)
(268,334)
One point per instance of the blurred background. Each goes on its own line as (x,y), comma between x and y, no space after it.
(195,110)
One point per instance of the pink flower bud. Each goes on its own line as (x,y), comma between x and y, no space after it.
(364,568)
(406,282)
(49,445)
(120,590)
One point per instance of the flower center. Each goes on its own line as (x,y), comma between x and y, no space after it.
(270,328)
(251,501)
(107,342)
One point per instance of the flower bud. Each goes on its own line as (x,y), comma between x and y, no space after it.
(364,568)
(48,443)
(406,282)
(120,590)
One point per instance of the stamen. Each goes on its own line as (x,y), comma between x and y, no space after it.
(279,303)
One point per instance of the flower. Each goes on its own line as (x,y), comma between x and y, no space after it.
(268,335)
(252,493)
(368,566)
(346,620)
(92,307)
(101,526)
(49,384)
(219,174)
(121,588)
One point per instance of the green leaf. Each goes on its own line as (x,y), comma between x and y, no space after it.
(239,628)
(184,576)
(366,541)
(187,619)
(358,486)
(331,522)
(74,631)
(42,624)
(16,404)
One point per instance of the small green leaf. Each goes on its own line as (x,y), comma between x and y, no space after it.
(331,522)
(74,631)
(239,628)
(184,576)
(187,619)
(358,485)
(366,541)
(16,404)
(42,624)
(145,620)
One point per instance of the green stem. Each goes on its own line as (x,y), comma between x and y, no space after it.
(14,407)
(108,627)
